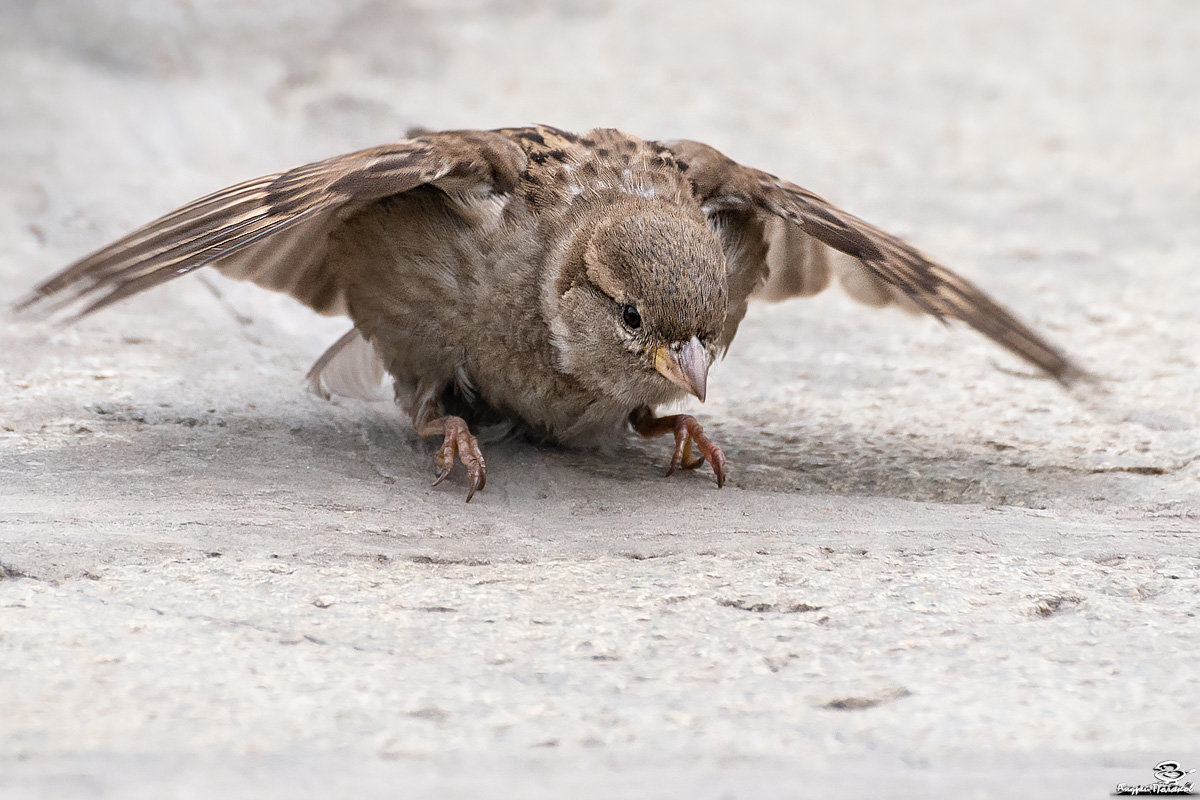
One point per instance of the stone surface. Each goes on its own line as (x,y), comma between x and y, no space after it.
(929,575)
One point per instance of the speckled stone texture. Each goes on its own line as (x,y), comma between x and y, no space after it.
(930,574)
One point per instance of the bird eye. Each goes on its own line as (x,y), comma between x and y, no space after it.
(631,317)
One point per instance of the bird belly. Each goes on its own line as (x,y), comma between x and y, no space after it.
(451,308)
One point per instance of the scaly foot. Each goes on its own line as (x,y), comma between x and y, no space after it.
(459,442)
(688,432)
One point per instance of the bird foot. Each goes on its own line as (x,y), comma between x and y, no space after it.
(688,434)
(460,443)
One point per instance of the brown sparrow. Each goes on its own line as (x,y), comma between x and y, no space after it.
(563,284)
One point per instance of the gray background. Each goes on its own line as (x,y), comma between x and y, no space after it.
(929,575)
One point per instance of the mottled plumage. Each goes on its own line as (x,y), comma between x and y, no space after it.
(564,284)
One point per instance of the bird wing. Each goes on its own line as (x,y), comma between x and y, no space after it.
(800,229)
(273,230)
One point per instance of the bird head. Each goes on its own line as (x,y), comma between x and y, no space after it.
(644,304)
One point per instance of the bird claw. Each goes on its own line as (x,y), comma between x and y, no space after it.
(688,432)
(460,443)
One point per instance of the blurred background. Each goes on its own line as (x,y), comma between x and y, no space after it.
(1044,112)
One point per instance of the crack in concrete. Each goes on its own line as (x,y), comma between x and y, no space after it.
(8,572)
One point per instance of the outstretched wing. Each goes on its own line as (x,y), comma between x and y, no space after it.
(273,230)
(791,218)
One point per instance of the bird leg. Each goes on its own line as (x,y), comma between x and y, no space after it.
(458,442)
(687,432)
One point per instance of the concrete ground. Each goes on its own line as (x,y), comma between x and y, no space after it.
(930,574)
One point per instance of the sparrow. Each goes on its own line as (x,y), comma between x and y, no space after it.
(558,284)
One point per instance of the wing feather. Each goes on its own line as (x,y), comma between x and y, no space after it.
(797,264)
(892,270)
(273,230)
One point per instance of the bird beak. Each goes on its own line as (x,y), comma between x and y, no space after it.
(684,364)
